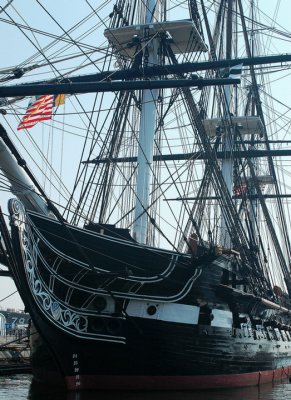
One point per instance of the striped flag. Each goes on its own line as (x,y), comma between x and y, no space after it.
(235,71)
(40,108)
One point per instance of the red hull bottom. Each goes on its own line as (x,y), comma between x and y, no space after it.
(144,383)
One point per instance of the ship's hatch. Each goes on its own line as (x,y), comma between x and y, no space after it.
(109,230)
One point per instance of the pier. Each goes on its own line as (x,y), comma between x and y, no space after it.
(14,354)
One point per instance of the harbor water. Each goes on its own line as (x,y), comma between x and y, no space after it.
(19,387)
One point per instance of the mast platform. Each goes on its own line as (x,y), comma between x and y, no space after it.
(248,125)
(183,37)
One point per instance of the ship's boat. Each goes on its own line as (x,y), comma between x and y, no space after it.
(148,234)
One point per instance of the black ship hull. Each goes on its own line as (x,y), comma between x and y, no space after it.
(167,357)
(111,323)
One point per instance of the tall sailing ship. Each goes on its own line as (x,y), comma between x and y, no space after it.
(149,234)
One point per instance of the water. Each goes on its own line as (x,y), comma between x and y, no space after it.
(19,387)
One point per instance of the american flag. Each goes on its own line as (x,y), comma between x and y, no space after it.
(39,109)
